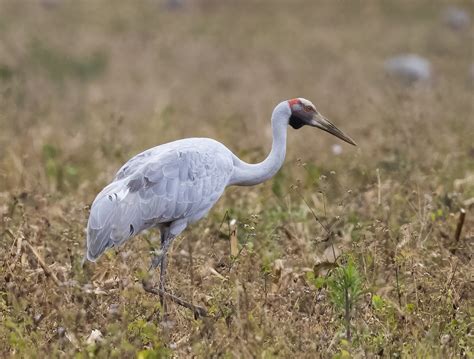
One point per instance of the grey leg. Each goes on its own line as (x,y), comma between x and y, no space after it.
(168,233)
(157,258)
(163,264)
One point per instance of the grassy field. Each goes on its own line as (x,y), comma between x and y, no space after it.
(84,85)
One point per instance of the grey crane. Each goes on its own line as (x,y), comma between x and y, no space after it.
(176,184)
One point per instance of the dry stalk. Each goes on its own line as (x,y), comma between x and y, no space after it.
(379,194)
(19,242)
(457,235)
(43,265)
(234,248)
(397,277)
(312,212)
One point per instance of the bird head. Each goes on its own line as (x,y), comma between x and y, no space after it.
(303,112)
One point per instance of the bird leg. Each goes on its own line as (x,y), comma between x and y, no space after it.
(161,260)
(163,263)
(158,258)
(197,310)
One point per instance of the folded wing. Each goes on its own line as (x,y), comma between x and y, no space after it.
(160,187)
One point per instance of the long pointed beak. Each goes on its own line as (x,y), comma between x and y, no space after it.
(324,124)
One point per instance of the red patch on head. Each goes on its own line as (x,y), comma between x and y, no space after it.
(294,101)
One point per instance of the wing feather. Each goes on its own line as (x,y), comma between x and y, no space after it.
(157,186)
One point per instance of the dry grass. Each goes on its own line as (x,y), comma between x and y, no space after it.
(85,85)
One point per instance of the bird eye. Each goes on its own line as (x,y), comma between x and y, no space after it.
(308,108)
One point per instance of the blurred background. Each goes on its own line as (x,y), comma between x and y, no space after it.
(85,85)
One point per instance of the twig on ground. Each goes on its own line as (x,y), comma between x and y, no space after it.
(43,265)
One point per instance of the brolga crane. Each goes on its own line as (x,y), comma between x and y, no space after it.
(175,184)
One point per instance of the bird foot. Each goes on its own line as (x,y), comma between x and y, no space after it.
(197,310)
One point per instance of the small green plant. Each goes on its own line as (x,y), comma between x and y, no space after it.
(153,354)
(345,289)
(317,281)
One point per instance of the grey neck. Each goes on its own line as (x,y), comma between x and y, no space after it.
(246,174)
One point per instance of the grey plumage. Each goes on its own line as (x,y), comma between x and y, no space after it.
(176,182)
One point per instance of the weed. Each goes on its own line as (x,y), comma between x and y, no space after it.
(345,289)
